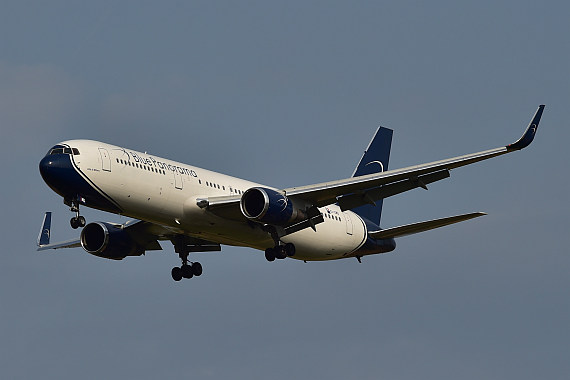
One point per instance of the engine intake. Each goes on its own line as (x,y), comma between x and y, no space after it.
(269,206)
(108,241)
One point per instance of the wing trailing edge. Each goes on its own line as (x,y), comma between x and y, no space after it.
(415,228)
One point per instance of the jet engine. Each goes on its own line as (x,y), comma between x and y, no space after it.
(271,207)
(108,241)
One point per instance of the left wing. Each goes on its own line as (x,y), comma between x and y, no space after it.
(355,191)
(44,237)
(145,234)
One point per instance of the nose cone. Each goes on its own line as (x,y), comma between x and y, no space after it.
(56,170)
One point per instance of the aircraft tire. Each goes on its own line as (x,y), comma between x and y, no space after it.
(81,221)
(186,271)
(270,254)
(197,269)
(280,252)
(289,249)
(74,223)
(176,274)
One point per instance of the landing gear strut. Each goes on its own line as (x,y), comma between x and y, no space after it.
(280,251)
(187,269)
(78,220)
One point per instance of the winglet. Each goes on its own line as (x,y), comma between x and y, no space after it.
(43,237)
(528,136)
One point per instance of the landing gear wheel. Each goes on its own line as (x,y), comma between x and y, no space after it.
(75,223)
(280,252)
(197,269)
(78,220)
(270,254)
(289,249)
(186,271)
(176,274)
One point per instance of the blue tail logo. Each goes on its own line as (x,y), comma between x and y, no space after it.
(375,160)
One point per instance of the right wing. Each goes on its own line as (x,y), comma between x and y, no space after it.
(323,194)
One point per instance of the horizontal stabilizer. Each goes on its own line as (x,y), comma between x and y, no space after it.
(414,228)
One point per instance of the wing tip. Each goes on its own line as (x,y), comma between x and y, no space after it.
(45,231)
(529,133)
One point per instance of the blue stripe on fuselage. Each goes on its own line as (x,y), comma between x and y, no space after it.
(62,175)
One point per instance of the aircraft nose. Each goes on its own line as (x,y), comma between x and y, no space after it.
(55,169)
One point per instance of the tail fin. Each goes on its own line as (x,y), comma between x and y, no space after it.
(374,160)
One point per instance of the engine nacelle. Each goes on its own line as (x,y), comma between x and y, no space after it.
(108,241)
(269,206)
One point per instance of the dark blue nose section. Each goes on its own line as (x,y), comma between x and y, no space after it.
(57,170)
(62,176)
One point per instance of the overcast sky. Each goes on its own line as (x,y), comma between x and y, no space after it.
(287,94)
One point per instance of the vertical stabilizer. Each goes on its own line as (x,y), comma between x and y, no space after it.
(374,160)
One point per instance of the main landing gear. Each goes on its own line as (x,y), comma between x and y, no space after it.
(280,251)
(78,220)
(188,269)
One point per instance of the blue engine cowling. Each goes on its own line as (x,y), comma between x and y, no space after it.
(269,206)
(108,241)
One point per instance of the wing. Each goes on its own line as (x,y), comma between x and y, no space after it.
(145,234)
(45,233)
(322,194)
(356,191)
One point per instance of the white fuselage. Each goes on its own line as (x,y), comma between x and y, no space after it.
(165,192)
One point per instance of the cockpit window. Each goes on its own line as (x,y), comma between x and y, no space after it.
(58,149)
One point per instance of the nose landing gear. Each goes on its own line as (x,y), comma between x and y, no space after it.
(78,220)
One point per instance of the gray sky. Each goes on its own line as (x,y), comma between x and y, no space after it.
(290,93)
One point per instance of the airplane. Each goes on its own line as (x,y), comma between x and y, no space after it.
(199,210)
